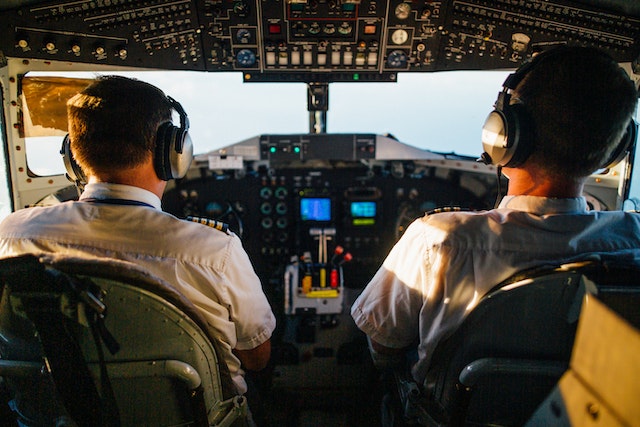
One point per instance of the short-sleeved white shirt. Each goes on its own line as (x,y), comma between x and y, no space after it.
(208,266)
(443,264)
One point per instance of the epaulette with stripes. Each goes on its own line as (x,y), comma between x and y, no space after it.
(218,225)
(446,209)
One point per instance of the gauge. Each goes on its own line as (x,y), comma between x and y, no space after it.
(397,59)
(314,28)
(520,42)
(403,10)
(345,28)
(243,35)
(241,8)
(399,36)
(246,58)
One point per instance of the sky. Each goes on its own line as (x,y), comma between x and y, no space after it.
(438,111)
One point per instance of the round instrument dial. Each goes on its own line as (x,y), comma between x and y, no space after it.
(246,58)
(403,10)
(399,36)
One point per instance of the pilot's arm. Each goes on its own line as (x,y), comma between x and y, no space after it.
(255,359)
(250,311)
(385,357)
(389,308)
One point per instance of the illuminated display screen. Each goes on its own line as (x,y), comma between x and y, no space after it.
(315,209)
(363,209)
(363,213)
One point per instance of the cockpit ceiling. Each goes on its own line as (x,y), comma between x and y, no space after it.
(313,40)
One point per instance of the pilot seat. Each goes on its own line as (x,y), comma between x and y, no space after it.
(101,342)
(512,349)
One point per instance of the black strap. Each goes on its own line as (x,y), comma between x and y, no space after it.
(110,406)
(68,366)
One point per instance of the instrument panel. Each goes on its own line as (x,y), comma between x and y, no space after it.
(325,202)
(313,40)
(278,210)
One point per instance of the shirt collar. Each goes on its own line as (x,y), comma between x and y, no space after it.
(103,190)
(544,205)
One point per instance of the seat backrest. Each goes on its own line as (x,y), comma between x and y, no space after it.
(513,347)
(145,356)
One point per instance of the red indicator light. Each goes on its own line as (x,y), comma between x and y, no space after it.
(275,29)
(333,278)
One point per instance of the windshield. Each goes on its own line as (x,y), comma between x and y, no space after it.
(441,112)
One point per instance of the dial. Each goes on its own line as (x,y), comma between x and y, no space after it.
(246,58)
(243,35)
(397,59)
(399,36)
(403,10)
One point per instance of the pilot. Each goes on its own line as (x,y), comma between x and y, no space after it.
(123,144)
(572,109)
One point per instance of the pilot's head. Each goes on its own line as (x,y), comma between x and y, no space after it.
(118,123)
(572,106)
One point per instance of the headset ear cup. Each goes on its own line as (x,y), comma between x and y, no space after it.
(495,139)
(161,159)
(625,145)
(506,136)
(181,155)
(520,133)
(74,171)
(174,149)
(174,152)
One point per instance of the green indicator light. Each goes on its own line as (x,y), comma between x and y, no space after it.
(272,149)
(296,149)
(356,76)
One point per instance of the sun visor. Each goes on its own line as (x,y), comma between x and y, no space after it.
(44,103)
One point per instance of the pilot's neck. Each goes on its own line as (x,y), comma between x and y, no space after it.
(529,182)
(142,176)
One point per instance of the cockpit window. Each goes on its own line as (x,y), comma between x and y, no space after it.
(440,112)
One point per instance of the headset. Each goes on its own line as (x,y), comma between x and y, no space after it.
(172,157)
(508,132)
(174,149)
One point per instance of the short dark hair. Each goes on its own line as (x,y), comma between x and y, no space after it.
(113,122)
(581,102)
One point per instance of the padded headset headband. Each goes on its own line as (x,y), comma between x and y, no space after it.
(508,133)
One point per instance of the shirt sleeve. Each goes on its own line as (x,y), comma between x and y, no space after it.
(249,309)
(388,310)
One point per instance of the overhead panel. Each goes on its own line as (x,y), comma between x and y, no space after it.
(312,40)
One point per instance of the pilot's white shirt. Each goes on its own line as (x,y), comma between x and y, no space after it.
(445,262)
(210,267)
